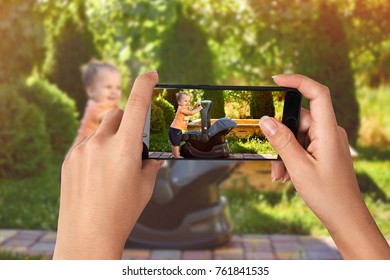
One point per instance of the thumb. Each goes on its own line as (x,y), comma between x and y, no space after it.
(285,144)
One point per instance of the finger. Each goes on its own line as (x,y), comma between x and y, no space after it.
(321,107)
(305,121)
(134,117)
(285,144)
(277,170)
(111,122)
(150,168)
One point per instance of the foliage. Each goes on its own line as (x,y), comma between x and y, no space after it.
(22,35)
(183,41)
(24,140)
(70,46)
(170,95)
(157,120)
(336,73)
(218,103)
(59,111)
(167,109)
(262,104)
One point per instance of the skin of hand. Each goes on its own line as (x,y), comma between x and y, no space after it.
(322,172)
(105,184)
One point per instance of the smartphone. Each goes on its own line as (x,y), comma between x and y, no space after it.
(216,122)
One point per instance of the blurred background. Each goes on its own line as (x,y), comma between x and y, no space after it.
(342,44)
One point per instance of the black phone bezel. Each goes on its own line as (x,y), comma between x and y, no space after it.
(291,109)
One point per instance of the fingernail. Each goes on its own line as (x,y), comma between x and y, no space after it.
(268,125)
(151,71)
(273,175)
(274,76)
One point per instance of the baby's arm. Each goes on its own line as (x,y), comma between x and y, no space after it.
(192,112)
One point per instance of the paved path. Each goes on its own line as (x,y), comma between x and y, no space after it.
(254,247)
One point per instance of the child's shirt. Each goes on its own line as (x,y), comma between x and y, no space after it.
(93,115)
(180,121)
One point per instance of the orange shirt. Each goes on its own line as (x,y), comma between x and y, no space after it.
(93,115)
(180,121)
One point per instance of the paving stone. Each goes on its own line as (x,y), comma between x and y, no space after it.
(197,255)
(259,256)
(296,255)
(45,249)
(165,255)
(136,254)
(232,252)
(18,243)
(6,234)
(283,238)
(50,236)
(321,255)
(29,234)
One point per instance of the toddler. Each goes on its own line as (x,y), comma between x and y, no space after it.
(180,122)
(102,83)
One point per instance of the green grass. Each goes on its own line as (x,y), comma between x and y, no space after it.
(252,145)
(7,255)
(160,142)
(31,203)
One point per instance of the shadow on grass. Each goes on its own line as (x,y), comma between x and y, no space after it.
(368,186)
(369,153)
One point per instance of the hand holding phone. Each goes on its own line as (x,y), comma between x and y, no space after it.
(234,134)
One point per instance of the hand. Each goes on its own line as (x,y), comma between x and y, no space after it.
(322,171)
(105,184)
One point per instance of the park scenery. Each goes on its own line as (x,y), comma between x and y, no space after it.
(243,107)
(344,45)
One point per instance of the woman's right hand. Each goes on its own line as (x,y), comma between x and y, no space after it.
(322,171)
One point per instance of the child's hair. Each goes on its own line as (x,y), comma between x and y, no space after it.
(92,68)
(180,94)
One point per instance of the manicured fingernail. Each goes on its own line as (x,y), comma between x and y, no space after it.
(268,125)
(273,175)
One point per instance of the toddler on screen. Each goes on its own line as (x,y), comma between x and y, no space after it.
(102,83)
(180,122)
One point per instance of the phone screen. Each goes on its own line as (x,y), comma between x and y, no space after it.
(206,122)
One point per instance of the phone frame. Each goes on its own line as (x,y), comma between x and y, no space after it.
(291,107)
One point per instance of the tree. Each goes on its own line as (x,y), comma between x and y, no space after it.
(22,33)
(71,46)
(324,57)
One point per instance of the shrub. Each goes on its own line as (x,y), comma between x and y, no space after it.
(24,141)
(59,111)
(170,95)
(184,54)
(71,46)
(22,36)
(218,107)
(167,109)
(262,104)
(157,121)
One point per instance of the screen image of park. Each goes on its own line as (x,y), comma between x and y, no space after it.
(225,127)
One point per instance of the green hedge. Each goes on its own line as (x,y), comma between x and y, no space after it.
(24,141)
(59,111)
(167,109)
(157,121)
